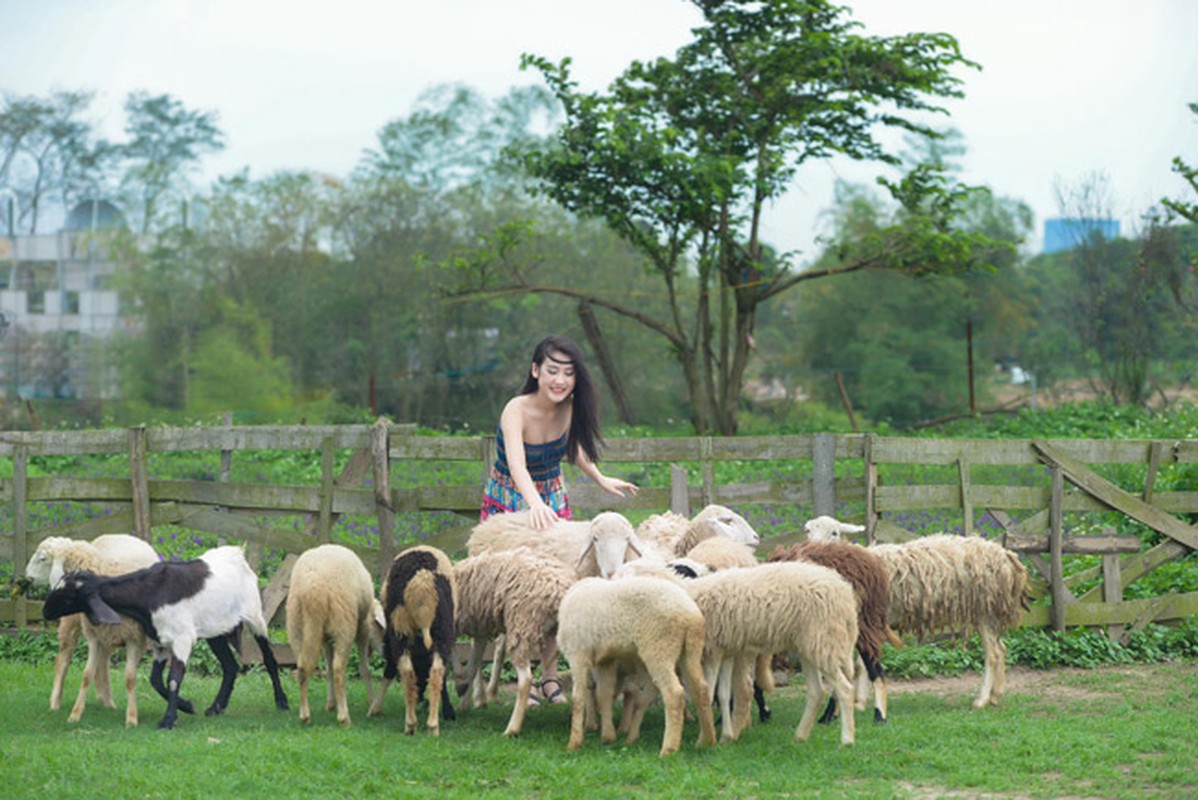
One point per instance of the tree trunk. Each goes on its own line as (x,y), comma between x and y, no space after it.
(590,326)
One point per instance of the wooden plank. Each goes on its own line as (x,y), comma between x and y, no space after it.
(1170,607)
(1056,580)
(1116,498)
(1154,465)
(1088,544)
(1134,567)
(823,474)
(871,489)
(139,482)
(258,437)
(20,541)
(1112,589)
(275,593)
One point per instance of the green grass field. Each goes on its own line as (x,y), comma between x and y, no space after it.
(1124,732)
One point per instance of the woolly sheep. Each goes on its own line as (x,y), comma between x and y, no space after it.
(515,593)
(605,624)
(330,608)
(419,598)
(871,584)
(829,529)
(176,603)
(783,607)
(110,554)
(966,583)
(676,534)
(595,547)
(719,553)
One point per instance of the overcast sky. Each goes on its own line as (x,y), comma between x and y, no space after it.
(1068,88)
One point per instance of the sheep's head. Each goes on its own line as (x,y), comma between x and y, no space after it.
(40,567)
(612,537)
(723,521)
(78,592)
(829,529)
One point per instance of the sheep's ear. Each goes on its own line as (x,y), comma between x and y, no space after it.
(100,613)
(848,527)
(585,553)
(634,544)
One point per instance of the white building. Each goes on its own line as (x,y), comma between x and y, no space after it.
(58,305)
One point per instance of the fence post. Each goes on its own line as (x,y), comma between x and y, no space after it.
(1055,545)
(140,482)
(384,508)
(20,534)
(327,485)
(707,469)
(823,473)
(871,490)
(1112,589)
(680,501)
(966,504)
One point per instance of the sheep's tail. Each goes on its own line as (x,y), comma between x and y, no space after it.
(893,637)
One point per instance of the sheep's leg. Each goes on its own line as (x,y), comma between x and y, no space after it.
(523,690)
(724,677)
(364,666)
(330,699)
(742,693)
(499,654)
(69,628)
(471,690)
(340,664)
(580,668)
(843,686)
(156,670)
(869,671)
(390,662)
(94,654)
(674,700)
(763,683)
(437,695)
(994,672)
(411,692)
(133,651)
(605,697)
(176,672)
(815,696)
(692,673)
(228,674)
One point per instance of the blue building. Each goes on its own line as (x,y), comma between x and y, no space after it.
(1066,233)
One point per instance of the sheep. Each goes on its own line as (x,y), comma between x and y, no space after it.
(110,554)
(871,584)
(176,603)
(605,624)
(419,597)
(829,529)
(674,533)
(331,607)
(719,552)
(593,548)
(515,593)
(945,582)
(781,607)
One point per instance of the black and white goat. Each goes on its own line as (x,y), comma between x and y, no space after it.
(177,603)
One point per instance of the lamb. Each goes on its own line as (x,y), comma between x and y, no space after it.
(781,607)
(419,598)
(944,582)
(871,584)
(331,607)
(515,593)
(674,533)
(829,529)
(176,603)
(603,625)
(110,554)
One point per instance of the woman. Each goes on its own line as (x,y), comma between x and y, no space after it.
(553,417)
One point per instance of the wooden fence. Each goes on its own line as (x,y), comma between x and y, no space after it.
(872,479)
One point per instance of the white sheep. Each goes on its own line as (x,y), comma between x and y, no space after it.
(943,582)
(604,625)
(675,534)
(770,608)
(419,597)
(331,608)
(720,552)
(177,603)
(595,547)
(829,529)
(110,554)
(515,593)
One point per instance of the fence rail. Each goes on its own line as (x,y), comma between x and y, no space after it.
(847,475)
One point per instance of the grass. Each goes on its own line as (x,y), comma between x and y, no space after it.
(1110,733)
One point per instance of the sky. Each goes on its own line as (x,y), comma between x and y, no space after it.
(1068,89)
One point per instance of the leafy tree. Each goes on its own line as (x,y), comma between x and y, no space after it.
(1187,209)
(166,141)
(681,156)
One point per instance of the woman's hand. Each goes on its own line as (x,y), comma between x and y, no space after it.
(618,487)
(542,517)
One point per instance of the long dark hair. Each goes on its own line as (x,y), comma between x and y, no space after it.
(584,423)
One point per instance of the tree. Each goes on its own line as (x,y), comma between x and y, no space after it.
(1187,209)
(681,157)
(166,141)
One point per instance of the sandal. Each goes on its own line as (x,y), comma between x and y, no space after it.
(558,694)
